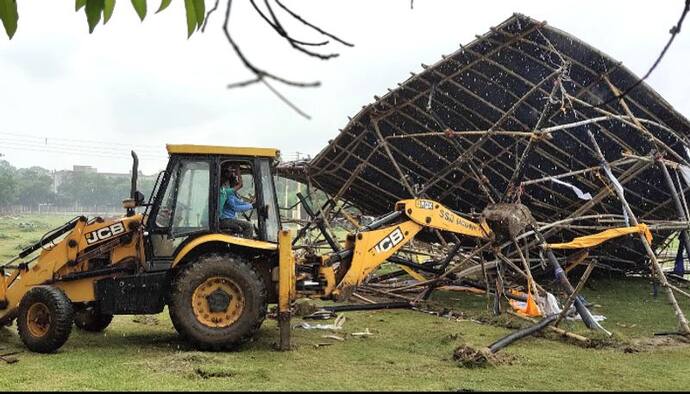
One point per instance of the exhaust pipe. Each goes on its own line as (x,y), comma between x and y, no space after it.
(135,175)
(130,203)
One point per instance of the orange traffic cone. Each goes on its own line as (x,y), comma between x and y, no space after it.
(531,310)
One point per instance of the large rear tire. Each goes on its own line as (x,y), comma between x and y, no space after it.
(45,319)
(91,319)
(218,302)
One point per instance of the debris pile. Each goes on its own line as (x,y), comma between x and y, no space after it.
(523,129)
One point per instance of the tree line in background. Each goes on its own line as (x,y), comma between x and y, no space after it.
(34,186)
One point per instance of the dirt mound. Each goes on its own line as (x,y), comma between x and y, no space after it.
(469,357)
(658,341)
(305,308)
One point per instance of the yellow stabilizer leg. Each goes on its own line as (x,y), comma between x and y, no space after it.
(286,286)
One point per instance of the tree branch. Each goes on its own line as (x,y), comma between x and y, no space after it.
(260,74)
(299,18)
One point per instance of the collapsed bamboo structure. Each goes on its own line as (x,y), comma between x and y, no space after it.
(521,115)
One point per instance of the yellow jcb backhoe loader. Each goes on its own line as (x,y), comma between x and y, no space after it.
(217,284)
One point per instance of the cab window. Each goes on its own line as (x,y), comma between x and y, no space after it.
(184,207)
(246,193)
(270,209)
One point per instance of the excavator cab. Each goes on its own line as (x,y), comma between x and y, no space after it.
(185,203)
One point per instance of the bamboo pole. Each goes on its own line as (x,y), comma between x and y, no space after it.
(520,167)
(682,194)
(368,301)
(636,127)
(679,207)
(628,175)
(555,329)
(519,271)
(565,283)
(679,290)
(486,279)
(616,163)
(384,292)
(470,151)
(656,268)
(528,271)
(454,133)
(403,178)
(578,288)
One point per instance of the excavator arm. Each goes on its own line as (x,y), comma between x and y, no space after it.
(374,244)
(365,250)
(432,214)
(64,260)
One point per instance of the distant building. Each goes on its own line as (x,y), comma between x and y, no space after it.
(59,176)
(88,169)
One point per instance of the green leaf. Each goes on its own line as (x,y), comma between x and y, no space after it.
(78,4)
(140,7)
(164,5)
(191,16)
(93,10)
(200,10)
(9,16)
(108,10)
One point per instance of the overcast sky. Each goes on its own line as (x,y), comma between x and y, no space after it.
(68,97)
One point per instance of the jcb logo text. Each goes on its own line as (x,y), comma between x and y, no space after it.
(105,233)
(389,241)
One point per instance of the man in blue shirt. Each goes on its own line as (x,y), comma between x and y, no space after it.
(231,204)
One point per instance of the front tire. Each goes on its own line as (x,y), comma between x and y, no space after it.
(218,302)
(45,319)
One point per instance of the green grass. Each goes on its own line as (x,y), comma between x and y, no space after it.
(18,231)
(409,351)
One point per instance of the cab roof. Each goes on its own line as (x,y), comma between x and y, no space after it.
(222,150)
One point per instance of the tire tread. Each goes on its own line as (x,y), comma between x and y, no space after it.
(196,270)
(61,319)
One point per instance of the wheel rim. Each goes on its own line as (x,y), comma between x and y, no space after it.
(38,319)
(218,302)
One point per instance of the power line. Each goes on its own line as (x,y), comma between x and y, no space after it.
(82,141)
(59,151)
(48,149)
(22,142)
(67,145)
(56,148)
(78,150)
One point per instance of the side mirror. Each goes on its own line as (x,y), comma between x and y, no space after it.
(130,203)
(139,198)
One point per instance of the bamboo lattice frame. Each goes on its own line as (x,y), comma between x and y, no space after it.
(486,101)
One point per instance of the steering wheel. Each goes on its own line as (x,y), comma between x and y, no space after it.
(248,217)
(251,211)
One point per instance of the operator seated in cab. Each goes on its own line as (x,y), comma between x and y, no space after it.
(231,204)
